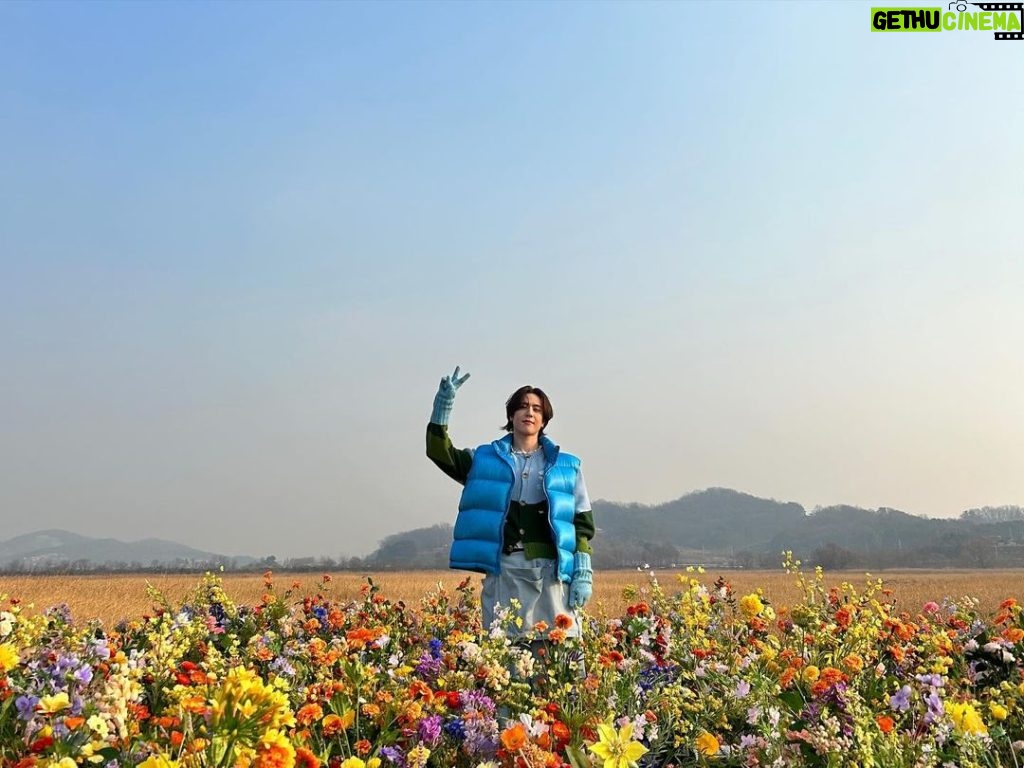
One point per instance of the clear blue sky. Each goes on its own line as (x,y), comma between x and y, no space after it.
(750,245)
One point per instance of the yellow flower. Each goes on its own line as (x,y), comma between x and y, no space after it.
(64,762)
(751,605)
(966,719)
(617,749)
(998,711)
(158,761)
(811,673)
(50,704)
(418,756)
(8,657)
(707,744)
(353,762)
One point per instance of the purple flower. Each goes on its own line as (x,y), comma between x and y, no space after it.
(900,701)
(935,707)
(394,756)
(84,674)
(430,730)
(26,706)
(742,689)
(935,681)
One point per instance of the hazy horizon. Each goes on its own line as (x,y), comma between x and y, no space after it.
(743,245)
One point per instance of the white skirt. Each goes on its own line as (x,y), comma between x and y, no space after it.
(535,584)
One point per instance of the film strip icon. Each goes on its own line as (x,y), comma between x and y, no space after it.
(1018,7)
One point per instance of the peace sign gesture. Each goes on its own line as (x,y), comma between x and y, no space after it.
(445,397)
(451,384)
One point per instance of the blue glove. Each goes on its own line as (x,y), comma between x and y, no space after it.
(582,586)
(445,397)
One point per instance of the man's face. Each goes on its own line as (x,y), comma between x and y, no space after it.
(528,419)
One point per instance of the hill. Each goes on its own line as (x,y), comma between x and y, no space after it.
(52,549)
(724,527)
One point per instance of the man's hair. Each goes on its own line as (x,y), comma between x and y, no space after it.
(515,402)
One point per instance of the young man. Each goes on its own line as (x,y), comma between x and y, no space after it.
(524,517)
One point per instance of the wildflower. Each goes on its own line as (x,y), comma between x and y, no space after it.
(309,713)
(751,605)
(8,657)
(418,756)
(274,751)
(885,723)
(617,749)
(966,719)
(334,724)
(353,762)
(707,744)
(930,607)
(514,738)
(998,711)
(157,761)
(563,621)
(55,703)
(304,758)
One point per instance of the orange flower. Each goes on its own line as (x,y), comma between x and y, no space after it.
(561,733)
(556,636)
(304,758)
(885,723)
(563,621)
(786,679)
(360,636)
(309,713)
(363,747)
(334,724)
(843,617)
(419,689)
(275,751)
(194,704)
(540,627)
(1014,634)
(854,662)
(73,722)
(514,738)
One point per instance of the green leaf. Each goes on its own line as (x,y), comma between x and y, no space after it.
(577,757)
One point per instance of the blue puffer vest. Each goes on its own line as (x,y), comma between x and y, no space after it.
(481,522)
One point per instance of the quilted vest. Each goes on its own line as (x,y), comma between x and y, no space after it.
(477,541)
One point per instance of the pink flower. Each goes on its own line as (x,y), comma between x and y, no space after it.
(930,607)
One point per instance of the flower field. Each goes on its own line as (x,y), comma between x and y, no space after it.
(689,673)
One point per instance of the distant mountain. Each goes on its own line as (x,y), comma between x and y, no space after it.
(45,549)
(721,526)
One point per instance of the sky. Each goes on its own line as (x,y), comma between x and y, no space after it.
(743,245)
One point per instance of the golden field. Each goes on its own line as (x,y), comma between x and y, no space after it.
(111,598)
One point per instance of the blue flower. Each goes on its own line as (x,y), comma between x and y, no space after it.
(900,701)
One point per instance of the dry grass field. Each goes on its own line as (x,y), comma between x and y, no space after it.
(110,598)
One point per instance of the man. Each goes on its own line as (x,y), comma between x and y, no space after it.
(525,519)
